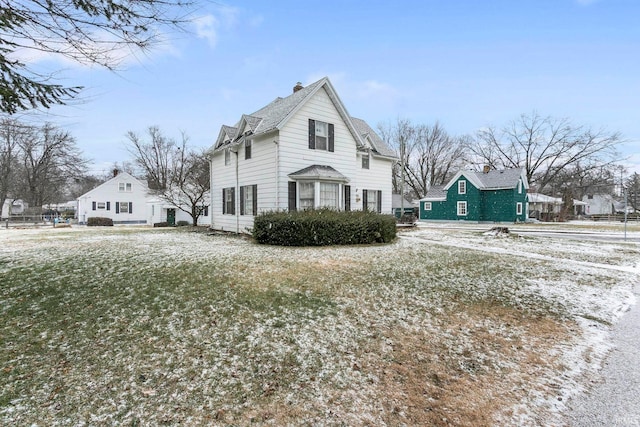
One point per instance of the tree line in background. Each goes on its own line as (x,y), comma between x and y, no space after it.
(561,158)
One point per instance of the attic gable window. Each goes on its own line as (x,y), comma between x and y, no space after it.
(321,135)
(365,161)
(124,187)
(462,187)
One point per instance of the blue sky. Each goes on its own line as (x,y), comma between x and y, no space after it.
(467,64)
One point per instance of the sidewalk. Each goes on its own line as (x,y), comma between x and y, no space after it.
(615,400)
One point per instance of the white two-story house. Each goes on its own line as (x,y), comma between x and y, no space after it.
(303,151)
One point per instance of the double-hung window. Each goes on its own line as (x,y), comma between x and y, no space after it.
(124,207)
(247,149)
(462,208)
(248,199)
(307,195)
(227,156)
(321,135)
(229,201)
(124,187)
(462,187)
(329,195)
(365,161)
(372,200)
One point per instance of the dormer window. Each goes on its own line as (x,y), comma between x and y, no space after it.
(320,135)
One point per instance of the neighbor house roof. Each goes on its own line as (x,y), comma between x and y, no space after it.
(492,180)
(396,201)
(274,115)
(543,198)
(436,192)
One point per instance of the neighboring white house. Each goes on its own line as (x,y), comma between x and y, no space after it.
(13,207)
(543,207)
(599,204)
(123,198)
(303,151)
(161,211)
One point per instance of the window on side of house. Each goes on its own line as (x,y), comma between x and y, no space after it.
(321,135)
(518,208)
(205,210)
(247,149)
(248,200)
(124,207)
(372,200)
(306,191)
(462,187)
(124,187)
(227,157)
(101,205)
(426,206)
(229,201)
(462,208)
(519,187)
(365,161)
(329,193)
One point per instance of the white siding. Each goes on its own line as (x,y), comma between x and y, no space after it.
(109,192)
(377,177)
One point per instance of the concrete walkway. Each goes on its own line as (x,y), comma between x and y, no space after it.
(615,400)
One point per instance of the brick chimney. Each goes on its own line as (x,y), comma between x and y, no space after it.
(297,87)
(115,172)
(486,169)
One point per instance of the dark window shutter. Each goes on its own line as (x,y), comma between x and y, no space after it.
(331,137)
(255,199)
(224,201)
(93,206)
(347,197)
(130,207)
(117,207)
(312,134)
(233,201)
(364,200)
(379,201)
(108,206)
(242,190)
(292,196)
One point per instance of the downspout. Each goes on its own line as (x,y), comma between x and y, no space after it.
(237,199)
(277,203)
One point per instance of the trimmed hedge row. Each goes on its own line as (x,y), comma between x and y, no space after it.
(323,227)
(99,221)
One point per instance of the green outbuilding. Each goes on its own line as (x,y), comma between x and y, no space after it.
(487,196)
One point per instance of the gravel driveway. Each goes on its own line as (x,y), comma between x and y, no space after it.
(615,397)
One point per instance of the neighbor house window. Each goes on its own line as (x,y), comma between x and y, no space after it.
(519,187)
(229,201)
(462,208)
(102,205)
(247,149)
(372,200)
(320,135)
(124,186)
(205,210)
(519,209)
(427,206)
(248,199)
(329,195)
(307,195)
(462,187)
(365,161)
(227,156)
(124,207)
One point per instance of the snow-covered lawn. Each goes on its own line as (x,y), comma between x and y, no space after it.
(142,326)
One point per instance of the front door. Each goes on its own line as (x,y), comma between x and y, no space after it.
(171,217)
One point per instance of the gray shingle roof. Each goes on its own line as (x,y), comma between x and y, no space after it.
(506,178)
(317,172)
(436,192)
(378,145)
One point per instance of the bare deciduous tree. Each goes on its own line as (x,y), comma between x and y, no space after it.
(546,147)
(175,173)
(428,153)
(88,31)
